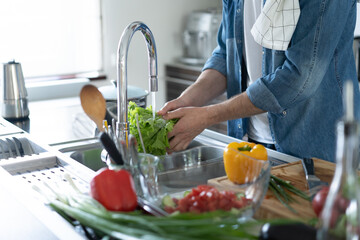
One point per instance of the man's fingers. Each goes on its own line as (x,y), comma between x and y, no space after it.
(164,109)
(169,106)
(173,142)
(177,143)
(178,113)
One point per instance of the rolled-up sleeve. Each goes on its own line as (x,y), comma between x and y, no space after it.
(304,65)
(216,61)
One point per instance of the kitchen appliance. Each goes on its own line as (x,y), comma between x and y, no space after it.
(199,37)
(14,98)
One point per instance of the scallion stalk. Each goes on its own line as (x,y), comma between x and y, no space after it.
(279,188)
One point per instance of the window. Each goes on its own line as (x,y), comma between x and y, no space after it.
(51,38)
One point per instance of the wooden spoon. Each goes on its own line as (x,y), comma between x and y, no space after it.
(93,104)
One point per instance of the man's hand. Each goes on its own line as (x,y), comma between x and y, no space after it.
(192,121)
(170,106)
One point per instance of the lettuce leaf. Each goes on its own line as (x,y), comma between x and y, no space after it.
(153,130)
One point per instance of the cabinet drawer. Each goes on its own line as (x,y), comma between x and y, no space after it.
(175,86)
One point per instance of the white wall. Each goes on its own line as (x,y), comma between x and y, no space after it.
(357,27)
(166,20)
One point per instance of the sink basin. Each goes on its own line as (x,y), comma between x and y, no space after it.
(176,172)
(89,153)
(190,168)
(90,156)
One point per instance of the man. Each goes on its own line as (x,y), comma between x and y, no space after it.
(298,89)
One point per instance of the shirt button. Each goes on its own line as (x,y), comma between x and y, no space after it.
(238,11)
(284,113)
(239,125)
(263,52)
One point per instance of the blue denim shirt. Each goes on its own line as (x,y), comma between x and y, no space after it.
(300,88)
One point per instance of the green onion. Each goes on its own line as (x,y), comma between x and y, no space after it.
(79,208)
(291,188)
(279,188)
(215,225)
(281,199)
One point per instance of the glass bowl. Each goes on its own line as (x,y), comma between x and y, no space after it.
(247,175)
(176,174)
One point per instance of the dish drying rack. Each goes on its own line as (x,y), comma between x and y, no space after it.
(26,163)
(33,164)
(12,147)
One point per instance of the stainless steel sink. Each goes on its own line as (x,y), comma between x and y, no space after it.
(177,172)
(90,158)
(202,160)
(190,168)
(88,151)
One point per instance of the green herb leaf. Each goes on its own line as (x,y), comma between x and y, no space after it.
(153,130)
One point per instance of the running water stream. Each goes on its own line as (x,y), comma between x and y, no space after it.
(153,104)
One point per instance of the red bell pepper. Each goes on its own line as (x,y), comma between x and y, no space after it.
(114,189)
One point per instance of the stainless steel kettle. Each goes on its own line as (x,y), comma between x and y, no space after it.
(14,98)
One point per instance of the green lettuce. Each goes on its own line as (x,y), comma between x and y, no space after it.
(153,130)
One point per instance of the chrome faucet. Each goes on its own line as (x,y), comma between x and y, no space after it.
(122,126)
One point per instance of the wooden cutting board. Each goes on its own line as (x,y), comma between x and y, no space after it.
(271,207)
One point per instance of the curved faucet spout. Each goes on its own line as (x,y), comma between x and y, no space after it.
(122,109)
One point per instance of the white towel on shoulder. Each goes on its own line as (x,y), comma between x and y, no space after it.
(276,24)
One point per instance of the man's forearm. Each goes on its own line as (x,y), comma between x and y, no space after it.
(238,106)
(208,86)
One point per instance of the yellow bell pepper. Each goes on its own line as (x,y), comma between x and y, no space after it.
(243,161)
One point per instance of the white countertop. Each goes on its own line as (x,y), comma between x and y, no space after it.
(57,121)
